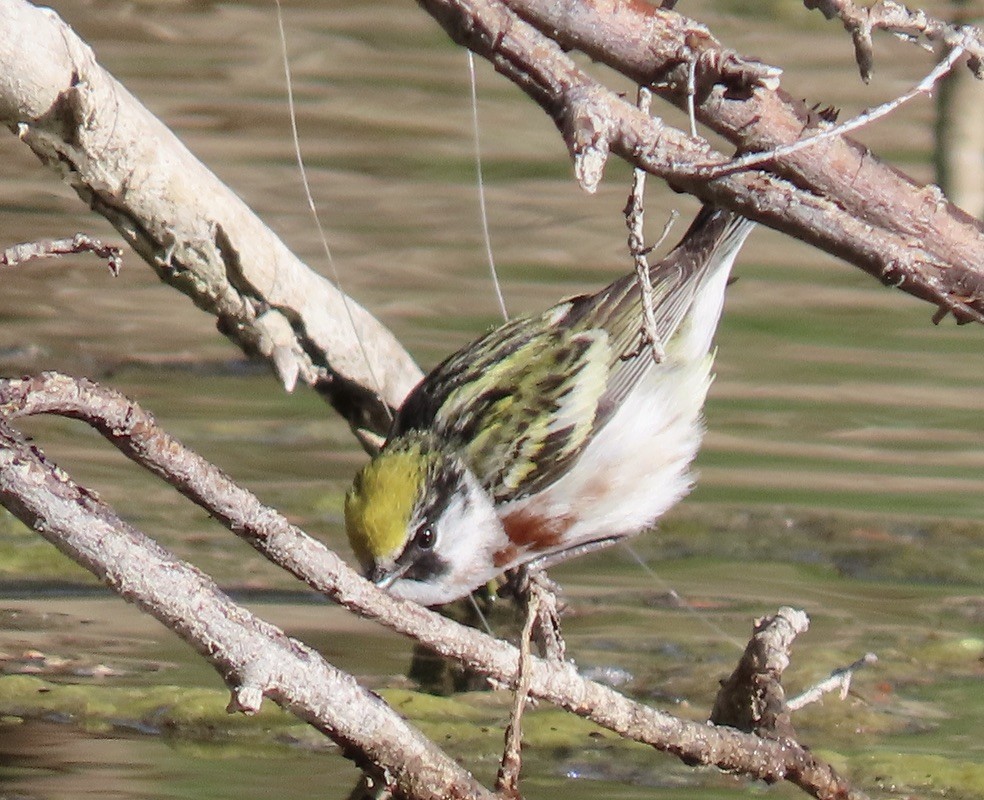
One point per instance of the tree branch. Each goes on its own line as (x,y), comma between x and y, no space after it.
(135,433)
(202,240)
(254,658)
(80,243)
(903,22)
(198,236)
(752,698)
(838,681)
(835,195)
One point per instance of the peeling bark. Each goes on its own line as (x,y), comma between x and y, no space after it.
(196,234)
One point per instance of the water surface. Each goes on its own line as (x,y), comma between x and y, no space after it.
(842,470)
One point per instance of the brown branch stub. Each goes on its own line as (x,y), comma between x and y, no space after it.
(587,130)
(635,216)
(968,287)
(752,698)
(49,248)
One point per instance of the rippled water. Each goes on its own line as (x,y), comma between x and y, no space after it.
(846,433)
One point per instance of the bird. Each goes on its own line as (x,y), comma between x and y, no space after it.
(551,436)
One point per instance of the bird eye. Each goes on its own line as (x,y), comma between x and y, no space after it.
(425,538)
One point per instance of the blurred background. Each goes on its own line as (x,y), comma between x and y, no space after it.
(843,470)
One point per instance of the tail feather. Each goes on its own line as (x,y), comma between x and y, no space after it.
(717,254)
(707,249)
(688,295)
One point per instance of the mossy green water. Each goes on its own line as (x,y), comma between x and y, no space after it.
(841,472)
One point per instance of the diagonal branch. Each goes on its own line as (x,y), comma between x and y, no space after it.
(195,233)
(137,436)
(836,195)
(254,658)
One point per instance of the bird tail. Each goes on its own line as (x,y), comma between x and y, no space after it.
(713,229)
(702,261)
(687,290)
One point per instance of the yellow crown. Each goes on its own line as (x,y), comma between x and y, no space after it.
(380,503)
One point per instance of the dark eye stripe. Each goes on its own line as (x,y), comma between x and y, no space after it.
(427,567)
(445,481)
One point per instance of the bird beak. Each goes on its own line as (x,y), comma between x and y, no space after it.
(384,578)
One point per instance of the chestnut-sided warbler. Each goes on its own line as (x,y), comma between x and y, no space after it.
(551,436)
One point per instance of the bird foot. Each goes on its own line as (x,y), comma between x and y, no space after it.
(537,595)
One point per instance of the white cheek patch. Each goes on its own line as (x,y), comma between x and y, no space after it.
(467,535)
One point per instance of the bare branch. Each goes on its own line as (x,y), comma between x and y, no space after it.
(195,233)
(835,195)
(80,243)
(635,216)
(84,126)
(202,240)
(135,434)
(255,658)
(905,23)
(925,86)
(839,681)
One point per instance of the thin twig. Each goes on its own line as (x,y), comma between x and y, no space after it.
(634,220)
(50,248)
(711,171)
(507,781)
(839,680)
(642,274)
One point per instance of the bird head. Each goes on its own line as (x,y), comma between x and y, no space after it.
(421,525)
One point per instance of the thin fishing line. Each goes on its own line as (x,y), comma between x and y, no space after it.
(716,629)
(481,616)
(346,302)
(481,189)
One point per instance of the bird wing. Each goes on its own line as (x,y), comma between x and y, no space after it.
(518,404)
(521,403)
(710,242)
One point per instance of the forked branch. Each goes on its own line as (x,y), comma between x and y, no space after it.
(835,195)
(912,24)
